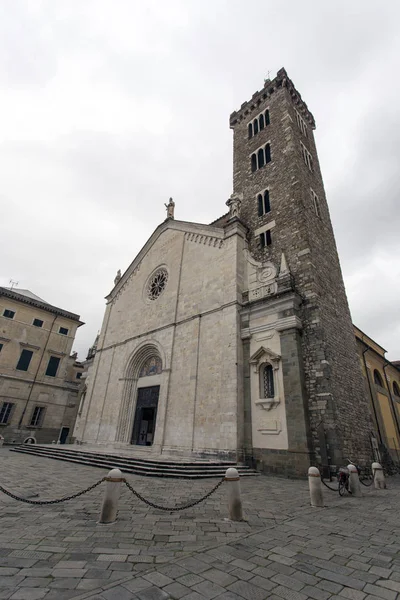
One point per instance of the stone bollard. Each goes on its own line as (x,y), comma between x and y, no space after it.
(354,481)
(315,484)
(109,508)
(379,476)
(234,501)
(1,441)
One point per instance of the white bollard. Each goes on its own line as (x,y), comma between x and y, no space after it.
(109,508)
(379,476)
(354,481)
(315,485)
(234,501)
(1,441)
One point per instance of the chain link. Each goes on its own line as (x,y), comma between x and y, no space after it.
(329,487)
(173,508)
(64,499)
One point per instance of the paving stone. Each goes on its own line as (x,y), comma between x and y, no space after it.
(342,579)
(247,590)
(288,594)
(137,584)
(380,592)
(158,579)
(117,593)
(113,557)
(193,596)
(177,590)
(208,589)
(68,583)
(219,577)
(35,582)
(329,586)
(352,594)
(152,593)
(71,564)
(381,571)
(7,571)
(76,573)
(315,593)
(263,583)
(29,594)
(287,581)
(190,579)
(390,585)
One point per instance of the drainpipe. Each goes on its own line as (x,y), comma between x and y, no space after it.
(372,395)
(36,374)
(391,397)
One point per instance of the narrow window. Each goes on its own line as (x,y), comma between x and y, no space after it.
(250,130)
(63,331)
(267,121)
(5,412)
(9,314)
(267,206)
(253,163)
(260,157)
(37,416)
(37,323)
(52,366)
(261,122)
(396,389)
(260,205)
(79,375)
(262,240)
(24,360)
(267,153)
(1,347)
(315,200)
(255,126)
(265,238)
(378,379)
(268,382)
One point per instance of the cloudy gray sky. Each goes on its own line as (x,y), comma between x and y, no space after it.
(110,107)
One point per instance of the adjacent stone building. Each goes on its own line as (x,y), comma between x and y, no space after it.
(234,339)
(39,378)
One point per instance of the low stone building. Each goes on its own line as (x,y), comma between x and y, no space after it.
(39,377)
(382,379)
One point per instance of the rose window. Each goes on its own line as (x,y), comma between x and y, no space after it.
(157,284)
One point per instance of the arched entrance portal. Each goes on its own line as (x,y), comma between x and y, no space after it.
(147,403)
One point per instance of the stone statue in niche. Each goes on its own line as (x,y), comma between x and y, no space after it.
(170,209)
(152,366)
(117,277)
(234,204)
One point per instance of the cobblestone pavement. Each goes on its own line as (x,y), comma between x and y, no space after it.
(285,549)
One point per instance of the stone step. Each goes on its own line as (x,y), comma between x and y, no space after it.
(137,466)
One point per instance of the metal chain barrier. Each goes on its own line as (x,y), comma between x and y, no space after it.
(329,487)
(64,499)
(371,482)
(173,508)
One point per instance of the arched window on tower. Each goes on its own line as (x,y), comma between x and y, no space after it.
(396,390)
(267,381)
(260,157)
(250,130)
(260,205)
(255,126)
(266,117)
(253,163)
(267,206)
(267,153)
(378,378)
(261,122)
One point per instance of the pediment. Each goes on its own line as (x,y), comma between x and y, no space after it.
(195,232)
(264,355)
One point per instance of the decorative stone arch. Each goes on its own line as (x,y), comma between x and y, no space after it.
(265,362)
(145,351)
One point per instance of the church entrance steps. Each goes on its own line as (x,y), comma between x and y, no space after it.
(134,464)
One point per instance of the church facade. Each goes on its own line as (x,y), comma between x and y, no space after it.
(234,340)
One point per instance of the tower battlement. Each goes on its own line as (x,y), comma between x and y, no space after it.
(252,105)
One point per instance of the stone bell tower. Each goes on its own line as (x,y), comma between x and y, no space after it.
(278,178)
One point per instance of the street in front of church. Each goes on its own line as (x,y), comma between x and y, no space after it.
(283,550)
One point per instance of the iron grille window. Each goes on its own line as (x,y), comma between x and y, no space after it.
(37,416)
(5,412)
(268,382)
(52,366)
(24,360)
(63,330)
(9,314)
(37,323)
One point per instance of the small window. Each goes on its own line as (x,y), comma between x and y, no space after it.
(315,200)
(9,314)
(253,163)
(265,238)
(37,323)
(261,122)
(267,121)
(255,126)
(250,130)
(396,389)
(63,331)
(5,412)
(268,388)
(267,153)
(79,375)
(24,360)
(306,156)
(378,379)
(260,157)
(37,417)
(52,366)
(264,206)
(1,347)
(260,205)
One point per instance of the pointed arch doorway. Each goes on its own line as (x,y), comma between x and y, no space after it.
(144,424)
